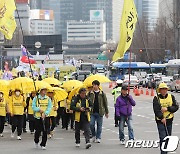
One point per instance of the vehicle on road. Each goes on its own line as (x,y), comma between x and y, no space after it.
(165,79)
(133,80)
(118,69)
(175,83)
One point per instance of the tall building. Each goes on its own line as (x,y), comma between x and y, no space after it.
(24,15)
(42,22)
(148,11)
(84,31)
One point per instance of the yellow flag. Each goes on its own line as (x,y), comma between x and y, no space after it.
(7,20)
(127,28)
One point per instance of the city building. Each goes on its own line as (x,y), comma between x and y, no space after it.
(83,31)
(148,12)
(24,15)
(42,22)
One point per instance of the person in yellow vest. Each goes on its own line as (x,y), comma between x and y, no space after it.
(16,107)
(41,106)
(81,105)
(30,112)
(3,110)
(164,106)
(53,114)
(61,113)
(69,116)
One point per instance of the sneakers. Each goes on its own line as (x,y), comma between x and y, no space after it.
(43,148)
(88,145)
(12,135)
(1,135)
(49,136)
(77,145)
(122,142)
(93,139)
(98,140)
(18,138)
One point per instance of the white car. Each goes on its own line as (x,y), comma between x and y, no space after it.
(133,80)
(175,83)
(166,79)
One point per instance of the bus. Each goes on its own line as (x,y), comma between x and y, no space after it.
(173,67)
(119,69)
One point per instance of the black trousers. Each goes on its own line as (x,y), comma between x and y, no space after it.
(17,122)
(2,122)
(85,126)
(61,115)
(69,118)
(24,121)
(31,122)
(41,126)
(52,124)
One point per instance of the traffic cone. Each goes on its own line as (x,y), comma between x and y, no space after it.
(147,91)
(134,89)
(110,85)
(152,92)
(137,93)
(142,92)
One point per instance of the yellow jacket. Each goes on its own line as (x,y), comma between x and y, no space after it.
(3,106)
(16,105)
(62,103)
(53,112)
(30,110)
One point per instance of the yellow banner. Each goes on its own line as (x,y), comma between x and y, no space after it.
(127,28)
(7,20)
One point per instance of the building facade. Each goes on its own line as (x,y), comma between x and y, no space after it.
(83,31)
(148,12)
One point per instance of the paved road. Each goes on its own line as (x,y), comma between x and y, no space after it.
(63,141)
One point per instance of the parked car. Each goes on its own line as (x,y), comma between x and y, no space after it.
(175,83)
(133,80)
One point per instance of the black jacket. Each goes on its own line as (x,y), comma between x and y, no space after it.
(157,108)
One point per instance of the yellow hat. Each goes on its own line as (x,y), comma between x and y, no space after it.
(162,86)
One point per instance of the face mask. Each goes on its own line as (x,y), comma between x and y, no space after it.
(17,93)
(1,95)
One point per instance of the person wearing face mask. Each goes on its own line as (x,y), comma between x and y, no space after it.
(3,110)
(41,106)
(52,114)
(164,105)
(124,104)
(30,111)
(16,106)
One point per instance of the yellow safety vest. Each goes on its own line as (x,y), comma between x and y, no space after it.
(3,108)
(54,105)
(167,103)
(17,105)
(30,110)
(43,104)
(78,114)
(62,103)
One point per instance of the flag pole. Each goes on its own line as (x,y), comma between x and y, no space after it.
(129,71)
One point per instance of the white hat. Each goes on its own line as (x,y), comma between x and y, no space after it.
(119,81)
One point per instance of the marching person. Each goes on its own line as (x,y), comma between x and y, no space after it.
(164,106)
(124,104)
(61,113)
(82,106)
(16,106)
(100,107)
(30,111)
(69,116)
(116,92)
(41,105)
(53,114)
(3,110)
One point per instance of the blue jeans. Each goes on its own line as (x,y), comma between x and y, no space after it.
(96,118)
(163,133)
(128,120)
